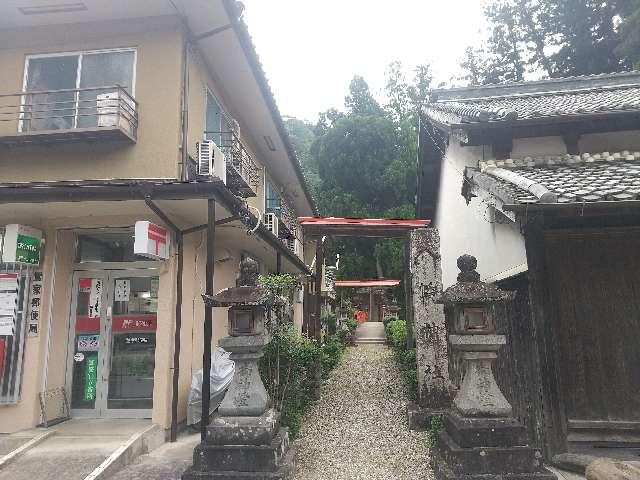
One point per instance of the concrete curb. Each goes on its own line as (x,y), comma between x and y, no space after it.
(138,444)
(11,456)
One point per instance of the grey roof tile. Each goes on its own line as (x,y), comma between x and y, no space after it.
(571,99)
(594,179)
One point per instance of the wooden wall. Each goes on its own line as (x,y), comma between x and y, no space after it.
(516,369)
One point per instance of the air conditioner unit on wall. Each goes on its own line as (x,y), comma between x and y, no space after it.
(271,222)
(295,246)
(211,160)
(115,109)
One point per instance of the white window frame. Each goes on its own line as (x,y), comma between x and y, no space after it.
(79,54)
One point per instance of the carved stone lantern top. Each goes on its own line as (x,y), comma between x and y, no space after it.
(469,288)
(246,292)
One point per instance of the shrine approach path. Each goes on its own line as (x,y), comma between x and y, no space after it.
(358,429)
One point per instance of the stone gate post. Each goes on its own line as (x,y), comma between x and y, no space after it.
(425,274)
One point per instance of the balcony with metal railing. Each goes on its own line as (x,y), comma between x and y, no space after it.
(243,174)
(77,114)
(288,222)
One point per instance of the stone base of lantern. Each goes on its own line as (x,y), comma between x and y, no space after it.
(244,448)
(473,448)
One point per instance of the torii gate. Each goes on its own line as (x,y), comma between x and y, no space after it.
(349,227)
(423,283)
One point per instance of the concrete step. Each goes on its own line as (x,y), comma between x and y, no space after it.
(371,340)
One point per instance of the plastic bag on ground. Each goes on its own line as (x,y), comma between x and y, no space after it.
(222,369)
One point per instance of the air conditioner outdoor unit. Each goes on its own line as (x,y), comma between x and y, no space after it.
(211,160)
(115,109)
(271,222)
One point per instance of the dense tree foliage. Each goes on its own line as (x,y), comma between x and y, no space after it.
(361,163)
(555,38)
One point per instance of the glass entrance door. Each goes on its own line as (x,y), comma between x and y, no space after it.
(114,320)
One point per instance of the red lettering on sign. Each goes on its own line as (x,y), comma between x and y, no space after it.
(127,323)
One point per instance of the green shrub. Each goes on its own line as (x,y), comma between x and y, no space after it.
(388,318)
(292,365)
(288,371)
(433,433)
(396,331)
(331,355)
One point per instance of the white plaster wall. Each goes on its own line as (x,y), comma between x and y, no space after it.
(538,146)
(466,229)
(610,142)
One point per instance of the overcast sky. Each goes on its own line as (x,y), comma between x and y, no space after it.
(311,49)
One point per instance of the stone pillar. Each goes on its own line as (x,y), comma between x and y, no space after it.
(434,385)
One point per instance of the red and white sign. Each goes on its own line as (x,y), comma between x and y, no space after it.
(127,323)
(151,241)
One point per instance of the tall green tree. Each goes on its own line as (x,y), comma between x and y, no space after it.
(365,157)
(555,38)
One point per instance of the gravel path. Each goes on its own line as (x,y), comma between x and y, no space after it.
(358,428)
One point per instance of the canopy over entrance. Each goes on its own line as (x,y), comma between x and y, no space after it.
(360,227)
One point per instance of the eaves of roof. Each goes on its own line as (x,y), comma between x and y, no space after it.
(574,184)
(117,190)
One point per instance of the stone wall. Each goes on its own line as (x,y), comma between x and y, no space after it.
(434,386)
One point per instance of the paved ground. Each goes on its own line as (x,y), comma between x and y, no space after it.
(358,429)
(75,450)
(164,463)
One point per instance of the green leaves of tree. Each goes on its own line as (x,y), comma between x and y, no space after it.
(556,38)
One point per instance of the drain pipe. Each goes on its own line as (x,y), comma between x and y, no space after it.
(185,110)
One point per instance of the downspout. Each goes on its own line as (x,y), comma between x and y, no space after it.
(185,109)
(176,338)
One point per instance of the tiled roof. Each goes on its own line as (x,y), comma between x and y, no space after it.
(565,178)
(568,99)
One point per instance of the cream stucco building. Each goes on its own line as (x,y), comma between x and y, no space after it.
(102,108)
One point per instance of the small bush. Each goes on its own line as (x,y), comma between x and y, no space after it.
(292,365)
(288,371)
(396,331)
(433,434)
(388,318)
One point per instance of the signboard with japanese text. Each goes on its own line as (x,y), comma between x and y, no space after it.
(22,244)
(91,377)
(122,289)
(92,286)
(151,241)
(35,304)
(88,343)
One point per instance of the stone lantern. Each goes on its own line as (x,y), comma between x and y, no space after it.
(481,439)
(244,439)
